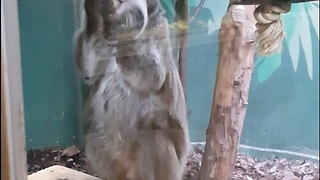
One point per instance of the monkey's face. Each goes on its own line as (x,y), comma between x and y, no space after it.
(131,15)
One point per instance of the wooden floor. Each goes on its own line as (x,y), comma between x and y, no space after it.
(60,173)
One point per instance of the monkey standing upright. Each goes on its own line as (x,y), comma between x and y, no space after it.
(137,111)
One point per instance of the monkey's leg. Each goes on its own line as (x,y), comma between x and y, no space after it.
(177,135)
(124,166)
(157,158)
(118,170)
(108,167)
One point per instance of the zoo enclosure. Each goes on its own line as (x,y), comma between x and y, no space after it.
(282,116)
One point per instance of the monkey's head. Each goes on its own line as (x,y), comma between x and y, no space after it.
(131,16)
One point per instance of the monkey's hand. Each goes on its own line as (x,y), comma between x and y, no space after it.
(93,55)
(144,72)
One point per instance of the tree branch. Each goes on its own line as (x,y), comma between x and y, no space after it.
(233,78)
(196,11)
(181,8)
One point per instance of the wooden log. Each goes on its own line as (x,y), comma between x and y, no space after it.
(236,54)
(60,173)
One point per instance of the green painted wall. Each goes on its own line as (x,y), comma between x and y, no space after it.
(49,76)
(283,104)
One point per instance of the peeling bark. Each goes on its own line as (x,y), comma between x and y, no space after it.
(236,54)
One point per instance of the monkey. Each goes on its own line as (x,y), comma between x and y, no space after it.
(137,111)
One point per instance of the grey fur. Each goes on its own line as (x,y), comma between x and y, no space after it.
(137,111)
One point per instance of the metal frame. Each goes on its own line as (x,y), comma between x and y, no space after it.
(12,91)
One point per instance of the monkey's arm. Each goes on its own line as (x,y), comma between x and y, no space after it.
(92,55)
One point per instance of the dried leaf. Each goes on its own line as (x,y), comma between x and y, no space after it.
(308,177)
(290,176)
(273,169)
(70,151)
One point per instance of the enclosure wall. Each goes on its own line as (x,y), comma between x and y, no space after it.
(50,83)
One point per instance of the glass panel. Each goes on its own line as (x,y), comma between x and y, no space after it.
(281,119)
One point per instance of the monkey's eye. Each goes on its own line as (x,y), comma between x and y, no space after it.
(86,78)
